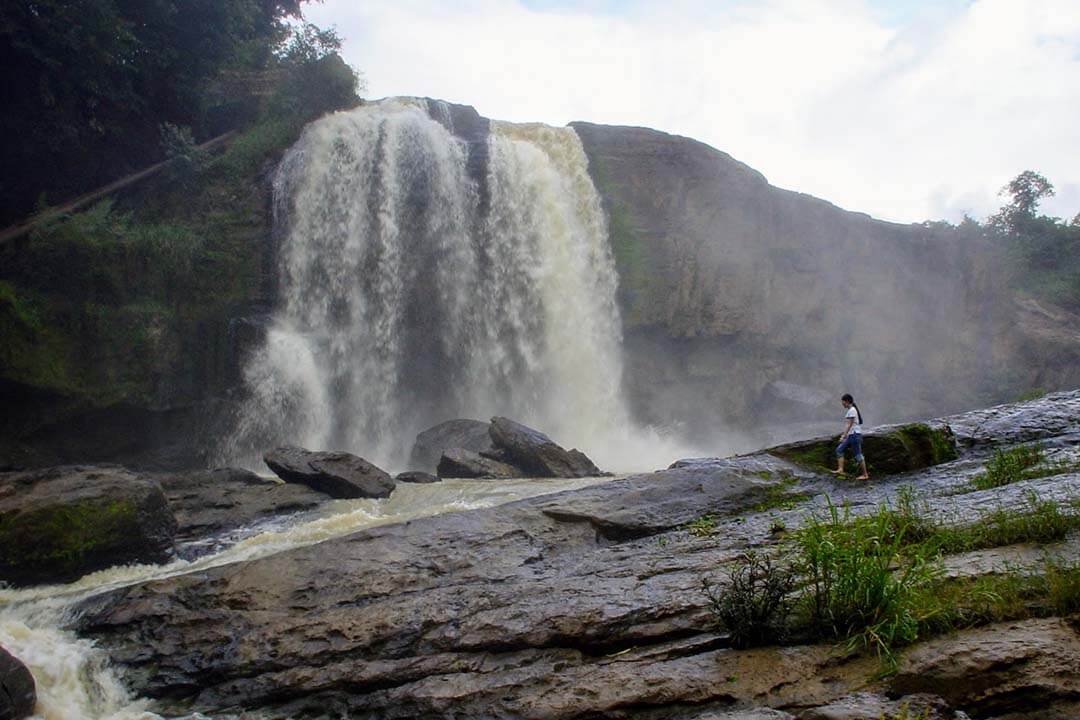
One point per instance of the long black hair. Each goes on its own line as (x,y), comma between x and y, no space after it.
(847,396)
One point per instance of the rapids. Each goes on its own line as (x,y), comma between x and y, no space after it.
(75,680)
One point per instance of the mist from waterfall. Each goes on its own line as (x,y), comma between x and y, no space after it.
(405,300)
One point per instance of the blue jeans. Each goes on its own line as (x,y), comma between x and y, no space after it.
(853,441)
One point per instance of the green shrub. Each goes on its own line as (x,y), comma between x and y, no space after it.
(755,604)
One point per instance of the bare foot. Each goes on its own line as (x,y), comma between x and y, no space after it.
(837,472)
(863,477)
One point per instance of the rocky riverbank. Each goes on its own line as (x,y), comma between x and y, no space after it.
(589,604)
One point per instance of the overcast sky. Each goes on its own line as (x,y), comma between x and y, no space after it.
(905,109)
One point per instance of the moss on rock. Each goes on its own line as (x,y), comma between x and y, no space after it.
(57,525)
(888,450)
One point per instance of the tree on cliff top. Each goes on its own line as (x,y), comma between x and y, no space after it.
(1045,250)
(89,82)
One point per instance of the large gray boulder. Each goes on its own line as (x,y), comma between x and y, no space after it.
(465,434)
(460,463)
(338,474)
(61,523)
(18,694)
(211,502)
(536,453)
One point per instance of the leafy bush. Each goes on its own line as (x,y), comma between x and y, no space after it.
(186,160)
(754,606)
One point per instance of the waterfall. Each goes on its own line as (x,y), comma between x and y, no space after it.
(406,301)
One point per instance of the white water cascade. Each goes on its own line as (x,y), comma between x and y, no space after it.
(407,298)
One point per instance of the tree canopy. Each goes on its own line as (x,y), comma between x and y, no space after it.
(1045,250)
(89,82)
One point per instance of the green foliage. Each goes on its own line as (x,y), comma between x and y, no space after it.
(702,526)
(1063,586)
(62,536)
(186,159)
(754,605)
(1032,394)
(87,85)
(256,145)
(860,586)
(875,581)
(1044,251)
(781,496)
(1039,521)
(1008,466)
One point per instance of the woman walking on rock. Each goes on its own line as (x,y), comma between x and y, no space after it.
(852,438)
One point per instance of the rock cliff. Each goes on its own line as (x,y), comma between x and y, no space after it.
(731,287)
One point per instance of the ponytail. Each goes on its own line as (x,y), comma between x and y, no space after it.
(847,396)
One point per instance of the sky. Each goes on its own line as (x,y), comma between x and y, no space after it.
(908,110)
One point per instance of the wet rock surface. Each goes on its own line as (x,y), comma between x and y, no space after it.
(18,694)
(430,445)
(888,449)
(1022,667)
(60,523)
(214,501)
(416,476)
(460,463)
(536,453)
(582,604)
(337,474)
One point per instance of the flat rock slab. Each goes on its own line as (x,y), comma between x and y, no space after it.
(1018,667)
(211,502)
(337,474)
(643,505)
(1055,414)
(61,523)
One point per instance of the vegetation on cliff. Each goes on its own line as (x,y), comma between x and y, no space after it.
(129,302)
(88,85)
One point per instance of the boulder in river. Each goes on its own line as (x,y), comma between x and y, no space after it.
(460,463)
(209,502)
(536,453)
(430,445)
(338,474)
(18,694)
(60,523)
(416,477)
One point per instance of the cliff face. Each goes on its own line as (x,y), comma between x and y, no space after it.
(745,304)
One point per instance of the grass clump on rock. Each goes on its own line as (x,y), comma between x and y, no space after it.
(1008,466)
(862,582)
(875,582)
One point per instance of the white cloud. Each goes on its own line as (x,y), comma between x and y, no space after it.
(924,119)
